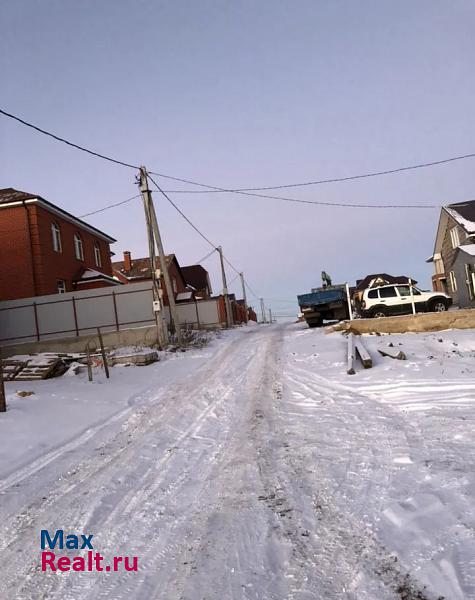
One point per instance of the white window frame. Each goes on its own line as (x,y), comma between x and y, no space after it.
(175,287)
(97,254)
(56,235)
(78,247)
(470,281)
(61,286)
(453,281)
(454,237)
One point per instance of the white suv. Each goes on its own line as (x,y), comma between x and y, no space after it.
(396,300)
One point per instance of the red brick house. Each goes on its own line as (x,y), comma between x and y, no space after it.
(46,250)
(138,269)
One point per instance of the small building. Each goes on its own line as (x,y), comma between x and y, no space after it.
(454,253)
(197,277)
(138,269)
(46,250)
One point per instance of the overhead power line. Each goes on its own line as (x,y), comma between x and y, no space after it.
(64,141)
(214,246)
(302,201)
(317,182)
(198,262)
(94,212)
(177,208)
(249,191)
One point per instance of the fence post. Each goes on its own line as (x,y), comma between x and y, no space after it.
(89,365)
(35,311)
(75,316)
(3,401)
(115,311)
(104,357)
(197,314)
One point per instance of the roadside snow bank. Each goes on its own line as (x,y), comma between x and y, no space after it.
(411,441)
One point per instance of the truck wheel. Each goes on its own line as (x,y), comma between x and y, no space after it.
(437,306)
(378,313)
(315,323)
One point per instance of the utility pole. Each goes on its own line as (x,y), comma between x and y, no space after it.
(270,316)
(263,311)
(241,275)
(227,303)
(161,254)
(160,320)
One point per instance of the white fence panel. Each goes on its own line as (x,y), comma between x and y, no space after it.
(56,320)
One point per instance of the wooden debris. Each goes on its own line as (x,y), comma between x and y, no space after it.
(351,355)
(363,353)
(38,368)
(11,368)
(398,355)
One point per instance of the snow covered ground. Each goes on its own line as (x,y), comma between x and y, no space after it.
(254,468)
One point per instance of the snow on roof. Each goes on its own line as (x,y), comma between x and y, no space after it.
(91,273)
(184,296)
(467,224)
(469,249)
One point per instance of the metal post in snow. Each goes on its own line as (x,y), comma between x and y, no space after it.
(412,297)
(3,400)
(350,310)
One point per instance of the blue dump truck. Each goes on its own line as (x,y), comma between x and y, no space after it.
(329,303)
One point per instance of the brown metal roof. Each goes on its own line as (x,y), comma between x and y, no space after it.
(196,276)
(140,267)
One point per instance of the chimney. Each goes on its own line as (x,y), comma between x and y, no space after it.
(127,261)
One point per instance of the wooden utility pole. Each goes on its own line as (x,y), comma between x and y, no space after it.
(270,316)
(241,275)
(227,303)
(263,311)
(89,362)
(161,254)
(160,320)
(3,400)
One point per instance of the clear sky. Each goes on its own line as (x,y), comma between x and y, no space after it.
(244,94)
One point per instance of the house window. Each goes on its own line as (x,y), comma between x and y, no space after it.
(61,285)
(97,255)
(453,281)
(470,281)
(78,249)
(175,289)
(454,237)
(56,235)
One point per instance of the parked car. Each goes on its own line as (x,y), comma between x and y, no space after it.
(396,300)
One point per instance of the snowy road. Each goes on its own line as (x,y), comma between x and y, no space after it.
(252,477)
